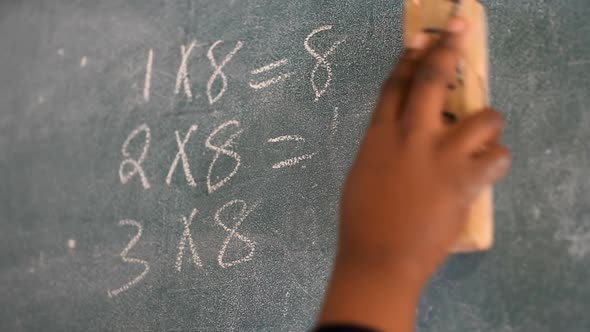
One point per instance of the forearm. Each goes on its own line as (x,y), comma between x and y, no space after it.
(382,296)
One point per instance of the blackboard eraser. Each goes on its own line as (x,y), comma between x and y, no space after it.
(469,94)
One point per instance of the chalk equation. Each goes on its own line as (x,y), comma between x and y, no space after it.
(229,217)
(221,148)
(222,141)
(260,76)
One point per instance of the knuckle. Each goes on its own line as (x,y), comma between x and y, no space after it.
(444,55)
(438,66)
(492,119)
(377,120)
(448,42)
(393,82)
(400,77)
(430,73)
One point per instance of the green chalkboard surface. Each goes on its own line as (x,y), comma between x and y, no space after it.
(176,165)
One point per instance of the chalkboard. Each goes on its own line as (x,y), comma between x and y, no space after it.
(176,165)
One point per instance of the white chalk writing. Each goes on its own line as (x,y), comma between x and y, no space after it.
(321,61)
(287,138)
(334,125)
(218,71)
(274,80)
(187,237)
(182,75)
(269,67)
(181,155)
(123,254)
(221,145)
(233,233)
(148,75)
(269,82)
(292,161)
(135,164)
(223,149)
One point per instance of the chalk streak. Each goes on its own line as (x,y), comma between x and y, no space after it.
(334,125)
(578,62)
(287,138)
(293,161)
(267,83)
(269,67)
(148,75)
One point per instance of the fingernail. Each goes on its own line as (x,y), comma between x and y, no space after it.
(418,41)
(456,24)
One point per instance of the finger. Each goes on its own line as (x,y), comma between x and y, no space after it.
(398,83)
(474,132)
(428,93)
(489,167)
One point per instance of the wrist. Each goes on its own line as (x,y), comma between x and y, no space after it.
(410,272)
(368,290)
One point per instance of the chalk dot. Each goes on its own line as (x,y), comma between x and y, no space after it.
(536,212)
(60,52)
(40,99)
(83,61)
(548,151)
(71,243)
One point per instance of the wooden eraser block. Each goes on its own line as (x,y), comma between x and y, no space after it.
(470,94)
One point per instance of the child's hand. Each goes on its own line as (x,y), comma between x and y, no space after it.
(407,196)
